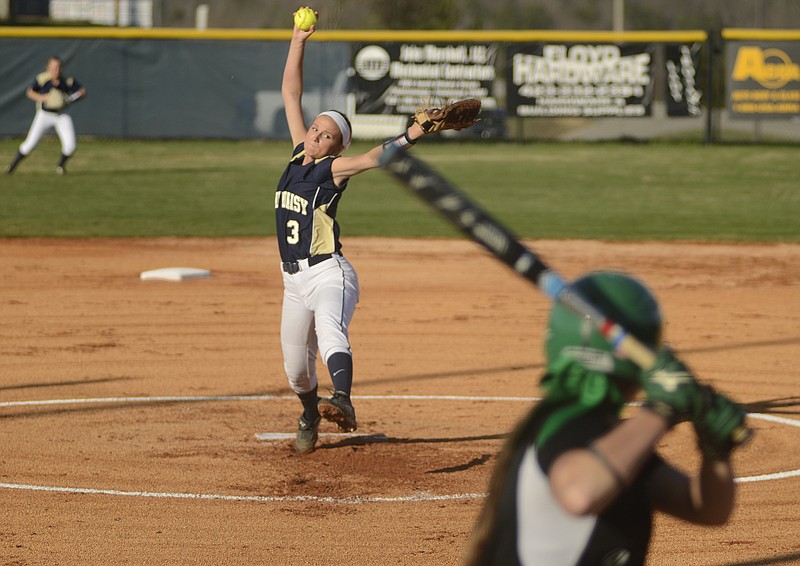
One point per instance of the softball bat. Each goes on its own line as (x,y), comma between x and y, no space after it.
(464,213)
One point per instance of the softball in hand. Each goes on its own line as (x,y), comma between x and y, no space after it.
(304,18)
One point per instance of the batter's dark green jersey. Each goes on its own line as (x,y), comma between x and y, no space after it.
(532,528)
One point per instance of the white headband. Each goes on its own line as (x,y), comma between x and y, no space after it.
(343,127)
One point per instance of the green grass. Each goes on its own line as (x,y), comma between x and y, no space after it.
(614,191)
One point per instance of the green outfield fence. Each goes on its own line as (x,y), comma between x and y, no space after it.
(705,86)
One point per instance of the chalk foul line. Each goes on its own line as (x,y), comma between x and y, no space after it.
(255,498)
(418,497)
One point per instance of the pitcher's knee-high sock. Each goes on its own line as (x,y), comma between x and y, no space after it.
(309,401)
(340,366)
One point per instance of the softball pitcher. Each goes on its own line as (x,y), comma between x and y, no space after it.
(578,485)
(53,94)
(320,285)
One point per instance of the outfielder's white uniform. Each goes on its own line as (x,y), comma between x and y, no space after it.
(47,118)
(59,93)
(320,286)
(42,122)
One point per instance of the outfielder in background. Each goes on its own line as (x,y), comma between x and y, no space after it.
(53,93)
(320,286)
(576,484)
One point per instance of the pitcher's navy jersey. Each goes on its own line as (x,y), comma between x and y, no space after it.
(305,208)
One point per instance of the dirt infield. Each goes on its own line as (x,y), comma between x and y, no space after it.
(129,409)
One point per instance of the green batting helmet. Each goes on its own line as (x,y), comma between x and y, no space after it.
(620,297)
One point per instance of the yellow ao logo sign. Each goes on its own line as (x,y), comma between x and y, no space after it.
(771,68)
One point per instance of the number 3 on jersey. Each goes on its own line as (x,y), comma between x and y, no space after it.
(293,231)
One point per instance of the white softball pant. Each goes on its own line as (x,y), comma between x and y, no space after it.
(318,305)
(43,121)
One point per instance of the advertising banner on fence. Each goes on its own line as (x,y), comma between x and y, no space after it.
(683,95)
(397,78)
(580,80)
(763,79)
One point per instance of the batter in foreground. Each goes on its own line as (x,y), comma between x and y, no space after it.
(578,485)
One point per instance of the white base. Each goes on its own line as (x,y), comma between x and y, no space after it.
(174,274)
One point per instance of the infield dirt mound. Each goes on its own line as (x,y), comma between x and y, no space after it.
(439,320)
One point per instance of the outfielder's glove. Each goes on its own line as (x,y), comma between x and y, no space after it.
(455,116)
(56,101)
(671,389)
(719,424)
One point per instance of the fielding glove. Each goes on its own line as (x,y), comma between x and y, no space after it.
(455,116)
